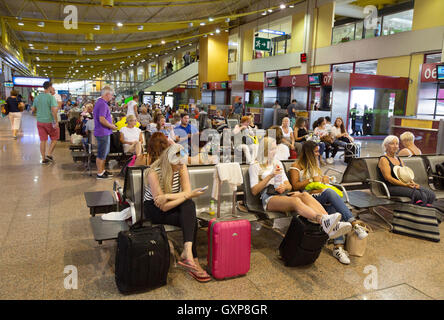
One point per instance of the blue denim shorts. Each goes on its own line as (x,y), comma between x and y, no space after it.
(265,197)
(103,145)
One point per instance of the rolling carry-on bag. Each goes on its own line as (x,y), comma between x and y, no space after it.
(302,243)
(142,259)
(229,246)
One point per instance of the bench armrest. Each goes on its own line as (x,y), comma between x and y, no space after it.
(383,184)
(340,186)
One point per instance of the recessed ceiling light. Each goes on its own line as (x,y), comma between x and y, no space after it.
(119,24)
(282,6)
(291,5)
(81,66)
(178,47)
(210,19)
(211,34)
(97,27)
(217,30)
(190,44)
(202,23)
(113,48)
(270,10)
(140,28)
(30,44)
(264,13)
(163,42)
(226,30)
(40,24)
(20,23)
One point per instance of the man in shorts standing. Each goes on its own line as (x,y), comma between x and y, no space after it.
(103,128)
(46,106)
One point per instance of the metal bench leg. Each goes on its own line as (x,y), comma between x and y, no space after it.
(373,211)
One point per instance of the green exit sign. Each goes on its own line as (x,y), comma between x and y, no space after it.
(262,44)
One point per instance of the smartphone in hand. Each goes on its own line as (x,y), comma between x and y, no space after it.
(204,188)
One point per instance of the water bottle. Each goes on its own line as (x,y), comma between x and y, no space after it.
(212,210)
(278,178)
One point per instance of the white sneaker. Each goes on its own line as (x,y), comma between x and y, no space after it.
(330,160)
(340,229)
(329,221)
(360,231)
(342,255)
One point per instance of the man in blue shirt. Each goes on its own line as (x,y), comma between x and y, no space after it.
(184,131)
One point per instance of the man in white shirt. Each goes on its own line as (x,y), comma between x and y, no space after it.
(57,97)
(132,107)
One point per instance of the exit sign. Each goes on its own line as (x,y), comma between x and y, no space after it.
(303,57)
(262,44)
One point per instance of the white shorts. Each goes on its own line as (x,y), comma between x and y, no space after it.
(15,118)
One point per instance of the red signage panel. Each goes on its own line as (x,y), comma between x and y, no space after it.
(428,72)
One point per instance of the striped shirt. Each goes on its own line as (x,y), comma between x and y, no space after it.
(175,188)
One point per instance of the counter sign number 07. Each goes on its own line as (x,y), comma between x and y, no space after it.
(327,79)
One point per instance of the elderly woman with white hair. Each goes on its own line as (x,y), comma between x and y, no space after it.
(408,141)
(388,168)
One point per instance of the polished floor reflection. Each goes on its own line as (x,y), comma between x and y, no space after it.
(44,227)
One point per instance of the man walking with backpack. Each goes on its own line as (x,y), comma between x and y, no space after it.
(47,125)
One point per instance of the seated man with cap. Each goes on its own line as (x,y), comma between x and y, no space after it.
(398,177)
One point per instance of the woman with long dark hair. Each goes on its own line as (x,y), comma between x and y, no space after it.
(306,171)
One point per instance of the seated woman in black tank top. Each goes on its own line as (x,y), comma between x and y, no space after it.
(167,200)
(387,162)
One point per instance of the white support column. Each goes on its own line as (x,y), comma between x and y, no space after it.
(240,54)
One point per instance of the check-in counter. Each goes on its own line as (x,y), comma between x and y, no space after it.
(429,134)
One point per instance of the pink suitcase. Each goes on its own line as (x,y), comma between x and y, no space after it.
(229,245)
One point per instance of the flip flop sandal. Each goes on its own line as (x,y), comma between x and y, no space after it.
(186,263)
(196,276)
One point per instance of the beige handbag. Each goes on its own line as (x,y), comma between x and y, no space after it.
(354,245)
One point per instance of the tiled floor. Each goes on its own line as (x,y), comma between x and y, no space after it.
(44,227)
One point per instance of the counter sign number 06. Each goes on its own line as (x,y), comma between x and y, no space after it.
(430,73)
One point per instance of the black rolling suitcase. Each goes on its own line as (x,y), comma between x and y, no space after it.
(142,259)
(303,242)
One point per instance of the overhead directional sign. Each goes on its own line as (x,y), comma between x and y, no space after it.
(262,44)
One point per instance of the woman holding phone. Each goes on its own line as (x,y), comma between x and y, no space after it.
(268,179)
(167,200)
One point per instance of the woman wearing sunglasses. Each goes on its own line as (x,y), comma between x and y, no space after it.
(167,200)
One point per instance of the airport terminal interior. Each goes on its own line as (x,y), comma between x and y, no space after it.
(118,115)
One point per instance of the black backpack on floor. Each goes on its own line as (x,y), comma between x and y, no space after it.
(142,259)
(303,242)
(350,151)
(438,182)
